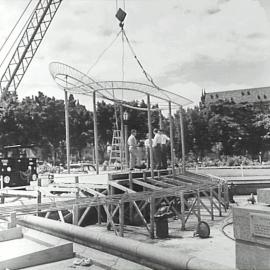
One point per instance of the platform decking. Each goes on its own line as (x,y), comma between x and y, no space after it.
(125,197)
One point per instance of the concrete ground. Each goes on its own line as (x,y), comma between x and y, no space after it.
(219,248)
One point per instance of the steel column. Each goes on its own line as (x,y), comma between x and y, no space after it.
(95,132)
(67,131)
(150,135)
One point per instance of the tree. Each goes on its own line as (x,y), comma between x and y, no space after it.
(196,130)
(81,126)
(261,132)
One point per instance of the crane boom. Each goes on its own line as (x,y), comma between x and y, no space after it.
(37,27)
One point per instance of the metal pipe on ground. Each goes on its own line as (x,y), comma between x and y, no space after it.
(142,253)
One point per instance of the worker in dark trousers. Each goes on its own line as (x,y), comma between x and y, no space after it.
(132,147)
(164,148)
(157,149)
(147,149)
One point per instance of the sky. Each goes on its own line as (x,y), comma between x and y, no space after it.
(185,45)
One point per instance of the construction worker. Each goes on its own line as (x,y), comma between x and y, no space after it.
(132,147)
(164,148)
(147,149)
(157,149)
(140,155)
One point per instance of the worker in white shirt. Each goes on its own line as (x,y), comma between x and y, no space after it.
(132,147)
(147,149)
(164,148)
(157,149)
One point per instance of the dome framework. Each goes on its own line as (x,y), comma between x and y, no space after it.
(76,82)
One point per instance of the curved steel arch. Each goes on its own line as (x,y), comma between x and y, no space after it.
(73,80)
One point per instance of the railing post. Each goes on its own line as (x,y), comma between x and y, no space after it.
(152,217)
(75,217)
(226,195)
(130,204)
(99,214)
(121,218)
(198,205)
(12,220)
(211,203)
(182,201)
(77,194)
(38,195)
(219,200)
(2,187)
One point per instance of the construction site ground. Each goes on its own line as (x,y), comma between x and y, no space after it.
(219,247)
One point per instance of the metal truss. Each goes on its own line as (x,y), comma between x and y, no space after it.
(37,27)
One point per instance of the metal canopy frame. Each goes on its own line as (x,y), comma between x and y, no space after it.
(74,81)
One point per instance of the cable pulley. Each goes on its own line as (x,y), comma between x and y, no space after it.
(121,15)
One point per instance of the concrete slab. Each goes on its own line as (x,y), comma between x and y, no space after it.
(219,248)
(252,223)
(252,233)
(28,251)
(100,260)
(263,195)
(249,257)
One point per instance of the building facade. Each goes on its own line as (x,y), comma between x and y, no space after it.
(258,97)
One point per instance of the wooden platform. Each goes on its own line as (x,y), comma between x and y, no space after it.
(128,196)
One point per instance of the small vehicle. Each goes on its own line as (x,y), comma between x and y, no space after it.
(18,166)
(84,167)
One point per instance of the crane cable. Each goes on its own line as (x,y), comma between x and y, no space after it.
(146,74)
(6,40)
(123,58)
(110,44)
(116,5)
(21,31)
(97,61)
(103,52)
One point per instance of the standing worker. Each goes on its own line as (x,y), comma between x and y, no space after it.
(132,147)
(147,149)
(157,149)
(164,143)
(140,154)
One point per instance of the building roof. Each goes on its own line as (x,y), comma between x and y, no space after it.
(249,95)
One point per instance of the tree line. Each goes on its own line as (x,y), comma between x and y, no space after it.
(224,127)
(228,129)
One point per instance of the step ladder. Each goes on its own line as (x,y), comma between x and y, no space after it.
(117,152)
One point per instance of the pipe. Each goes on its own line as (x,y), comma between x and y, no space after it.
(121,136)
(95,132)
(142,253)
(67,130)
(182,139)
(150,135)
(171,137)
